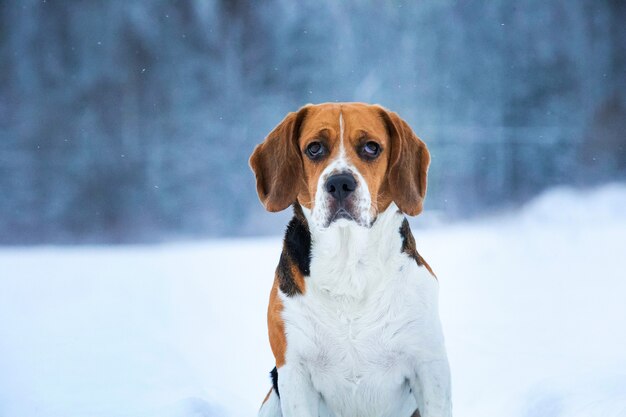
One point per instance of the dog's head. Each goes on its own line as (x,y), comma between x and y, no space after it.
(345,162)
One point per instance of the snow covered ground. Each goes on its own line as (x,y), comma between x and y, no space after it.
(533,306)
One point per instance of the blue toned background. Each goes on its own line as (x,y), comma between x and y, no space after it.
(131,121)
(136,260)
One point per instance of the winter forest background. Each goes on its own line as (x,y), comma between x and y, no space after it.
(129,121)
(125,132)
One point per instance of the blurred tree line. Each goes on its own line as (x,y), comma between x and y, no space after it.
(124,120)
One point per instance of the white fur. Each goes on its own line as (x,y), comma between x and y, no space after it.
(366,332)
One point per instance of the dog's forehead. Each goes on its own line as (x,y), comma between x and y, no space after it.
(321,117)
(363,119)
(355,117)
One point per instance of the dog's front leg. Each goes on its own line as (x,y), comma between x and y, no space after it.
(431,387)
(298,397)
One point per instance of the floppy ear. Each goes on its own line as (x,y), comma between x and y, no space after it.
(277,164)
(408,165)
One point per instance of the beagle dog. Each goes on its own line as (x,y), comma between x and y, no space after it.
(353,318)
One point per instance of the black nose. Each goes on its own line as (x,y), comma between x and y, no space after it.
(340,186)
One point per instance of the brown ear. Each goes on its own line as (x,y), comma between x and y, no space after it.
(408,165)
(277,164)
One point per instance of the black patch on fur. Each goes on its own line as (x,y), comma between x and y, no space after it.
(298,241)
(274,376)
(296,251)
(408,242)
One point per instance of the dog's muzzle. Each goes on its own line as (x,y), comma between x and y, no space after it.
(340,188)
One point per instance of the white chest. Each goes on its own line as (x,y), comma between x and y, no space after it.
(367,319)
(359,352)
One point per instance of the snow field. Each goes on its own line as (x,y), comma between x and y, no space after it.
(532,305)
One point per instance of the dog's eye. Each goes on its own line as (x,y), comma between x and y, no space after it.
(370,150)
(315,150)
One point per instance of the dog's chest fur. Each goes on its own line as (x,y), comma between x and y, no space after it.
(365,319)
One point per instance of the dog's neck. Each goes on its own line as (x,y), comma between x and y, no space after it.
(349,261)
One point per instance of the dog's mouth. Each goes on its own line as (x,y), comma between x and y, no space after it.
(341,216)
(341,213)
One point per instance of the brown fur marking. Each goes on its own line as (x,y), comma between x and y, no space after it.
(276,326)
(409,247)
(267,397)
(277,164)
